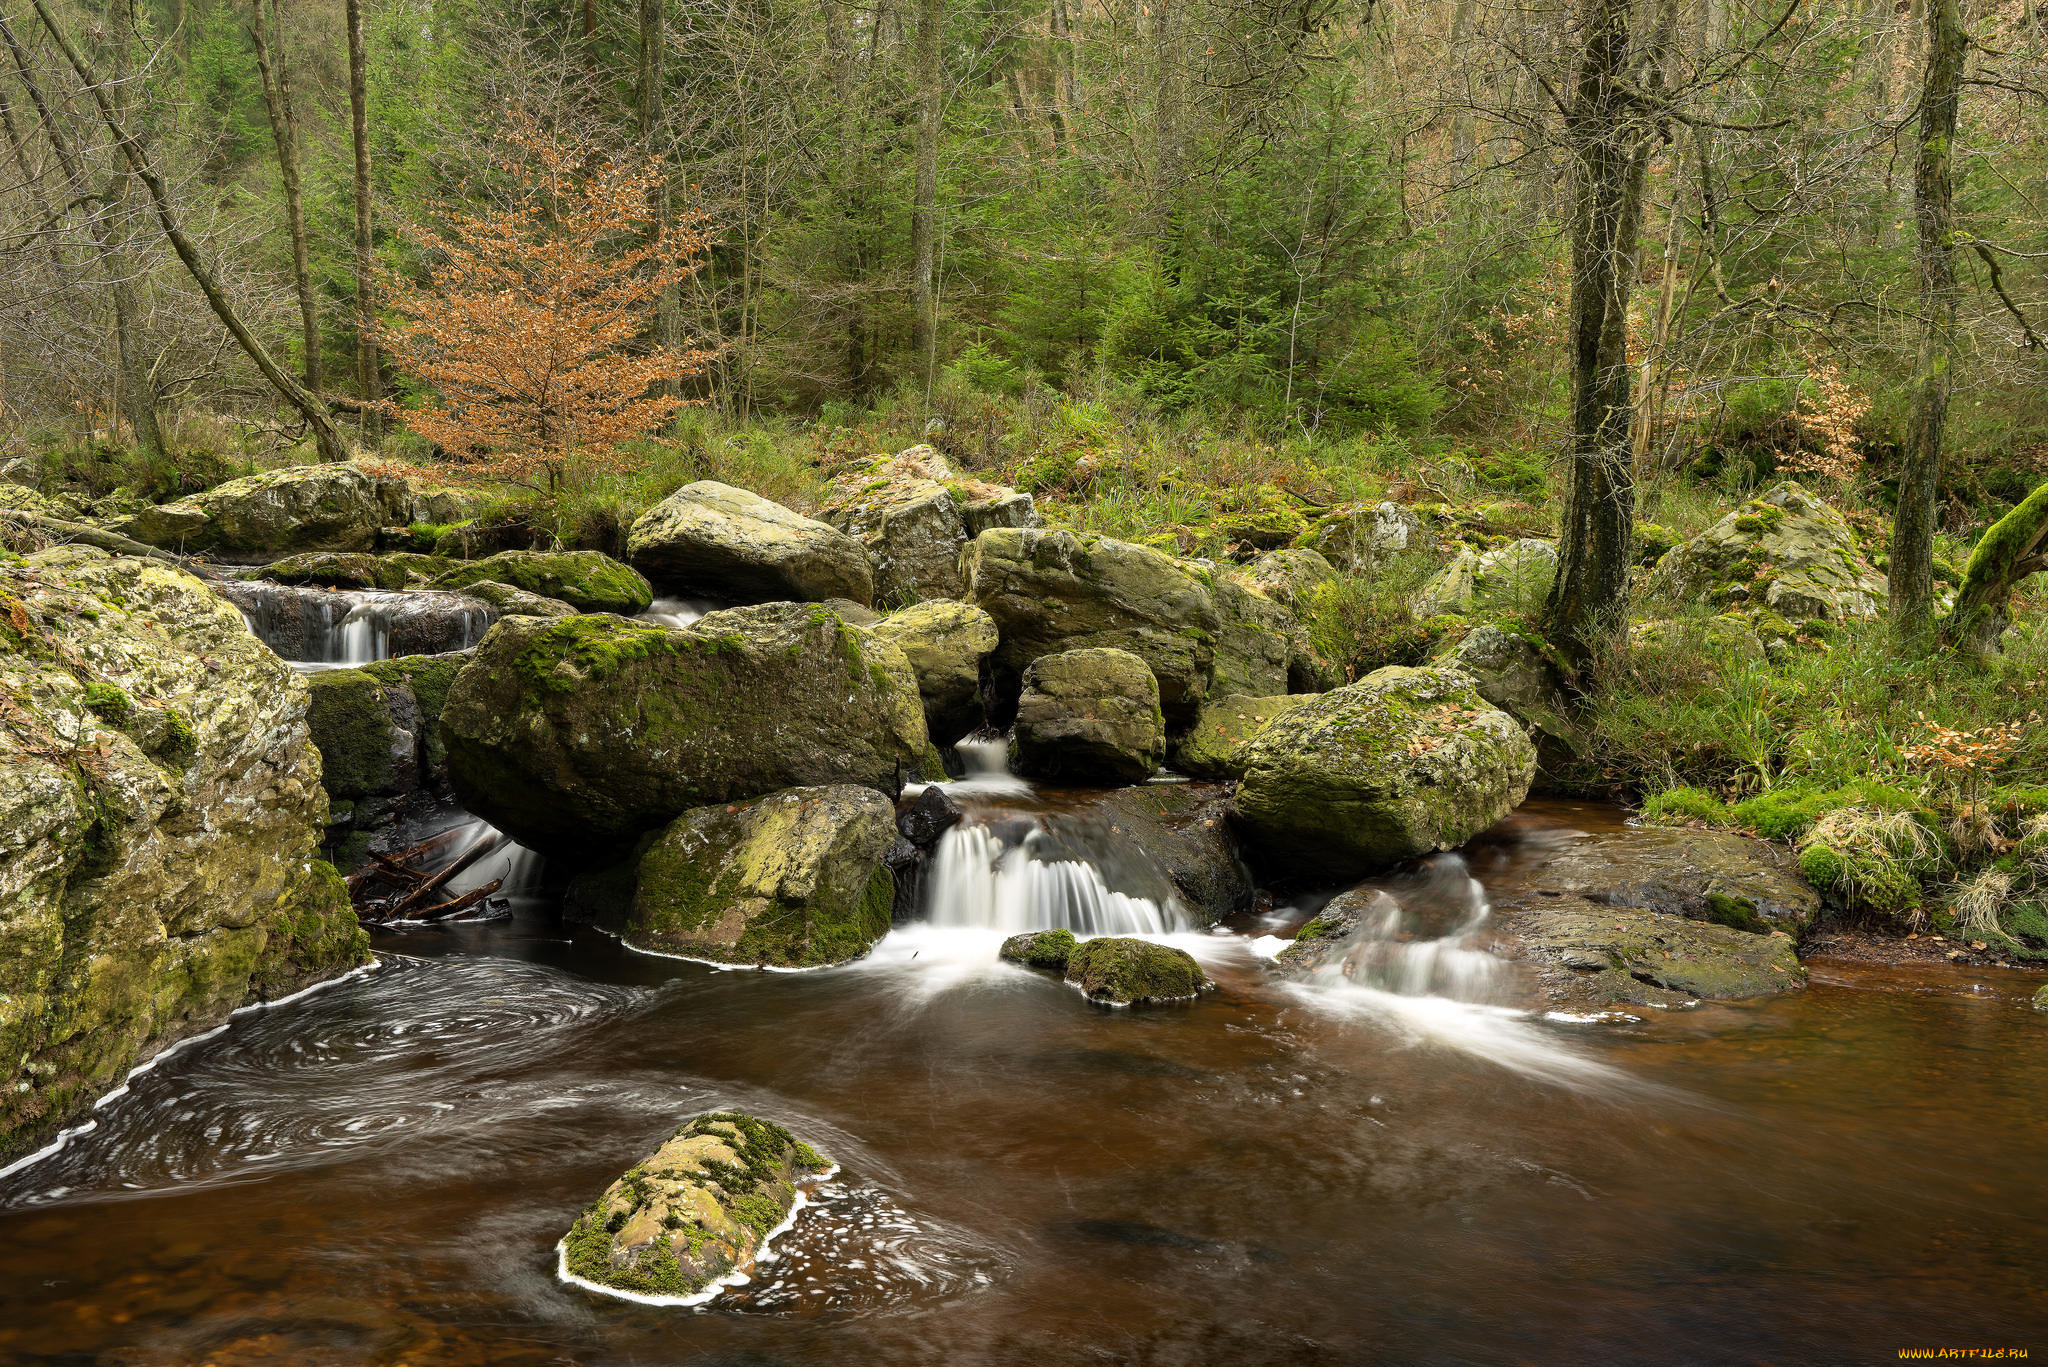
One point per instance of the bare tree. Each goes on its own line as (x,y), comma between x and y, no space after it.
(284,131)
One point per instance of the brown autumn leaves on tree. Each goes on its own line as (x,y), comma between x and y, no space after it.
(529,331)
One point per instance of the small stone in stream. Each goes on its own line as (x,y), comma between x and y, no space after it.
(695,1210)
(2041,999)
(931,816)
(1118,971)
(1040,949)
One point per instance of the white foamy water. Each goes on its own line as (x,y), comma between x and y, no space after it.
(677,612)
(977,881)
(987,765)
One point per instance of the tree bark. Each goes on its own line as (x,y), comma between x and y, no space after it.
(366,281)
(650,102)
(1910,576)
(308,405)
(284,131)
(1611,145)
(931,24)
(2011,548)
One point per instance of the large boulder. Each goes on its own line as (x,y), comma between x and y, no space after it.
(299,508)
(1118,971)
(1517,674)
(1512,579)
(1289,577)
(913,535)
(791,880)
(160,810)
(1051,591)
(1215,745)
(509,601)
(1184,830)
(576,736)
(1359,535)
(1260,648)
(710,538)
(696,1210)
(946,643)
(1402,762)
(378,730)
(1785,550)
(588,581)
(1591,956)
(1089,716)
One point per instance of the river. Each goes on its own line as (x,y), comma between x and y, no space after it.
(378,1172)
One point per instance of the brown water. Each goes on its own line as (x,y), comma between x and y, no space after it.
(378,1173)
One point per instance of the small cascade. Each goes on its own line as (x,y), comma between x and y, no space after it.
(1425,940)
(985,761)
(516,869)
(677,612)
(336,629)
(980,880)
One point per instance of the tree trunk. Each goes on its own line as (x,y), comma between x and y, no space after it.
(284,131)
(308,405)
(1911,573)
(366,283)
(2010,549)
(1611,146)
(924,326)
(650,95)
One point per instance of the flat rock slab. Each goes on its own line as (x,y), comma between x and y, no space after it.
(1594,957)
(1713,876)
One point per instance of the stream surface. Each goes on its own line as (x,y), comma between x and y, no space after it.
(378,1172)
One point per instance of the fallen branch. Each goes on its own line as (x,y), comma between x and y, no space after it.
(482,846)
(462,903)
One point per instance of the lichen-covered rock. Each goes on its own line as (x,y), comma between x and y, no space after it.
(1514,578)
(1518,676)
(1055,590)
(1353,538)
(340,570)
(588,581)
(299,508)
(1716,876)
(791,880)
(1214,746)
(1785,550)
(576,736)
(508,601)
(1402,762)
(913,534)
(946,643)
(713,539)
(1089,716)
(998,507)
(1590,956)
(695,1210)
(1260,647)
(1118,971)
(1288,577)
(1049,949)
(160,807)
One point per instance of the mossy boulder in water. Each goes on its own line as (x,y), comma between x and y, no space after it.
(695,1210)
(299,508)
(1326,940)
(588,581)
(1048,949)
(946,644)
(791,880)
(1089,717)
(577,736)
(1051,591)
(711,538)
(1785,550)
(1403,762)
(1119,971)
(509,601)
(1215,745)
(160,809)
(367,731)
(341,570)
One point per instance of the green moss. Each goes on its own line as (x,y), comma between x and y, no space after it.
(1119,970)
(180,741)
(1678,805)
(571,651)
(1737,913)
(1049,949)
(108,702)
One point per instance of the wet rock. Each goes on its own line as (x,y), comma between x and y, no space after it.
(508,601)
(1515,578)
(1591,956)
(693,1211)
(367,732)
(160,809)
(1260,646)
(791,880)
(1184,829)
(298,508)
(1049,949)
(931,816)
(946,644)
(1288,577)
(1785,550)
(576,736)
(1214,746)
(1328,937)
(1090,717)
(712,539)
(1518,676)
(1402,762)
(1118,971)
(1053,591)
(340,570)
(2040,998)
(588,581)
(1713,876)
(1356,537)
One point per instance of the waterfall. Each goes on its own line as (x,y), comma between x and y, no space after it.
(980,881)
(677,612)
(336,629)
(985,762)
(1424,939)
(517,868)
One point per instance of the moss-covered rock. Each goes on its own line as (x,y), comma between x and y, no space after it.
(1358,535)
(1719,638)
(298,508)
(1090,717)
(946,643)
(1326,939)
(508,601)
(1118,971)
(1048,949)
(1288,577)
(693,1211)
(1785,550)
(1260,648)
(1402,762)
(1591,956)
(1214,746)
(367,731)
(588,581)
(1869,861)
(156,861)
(712,539)
(1518,674)
(1052,591)
(341,570)
(913,533)
(1513,579)
(576,736)
(791,880)
(1701,875)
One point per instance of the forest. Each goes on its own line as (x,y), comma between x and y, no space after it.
(1478,562)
